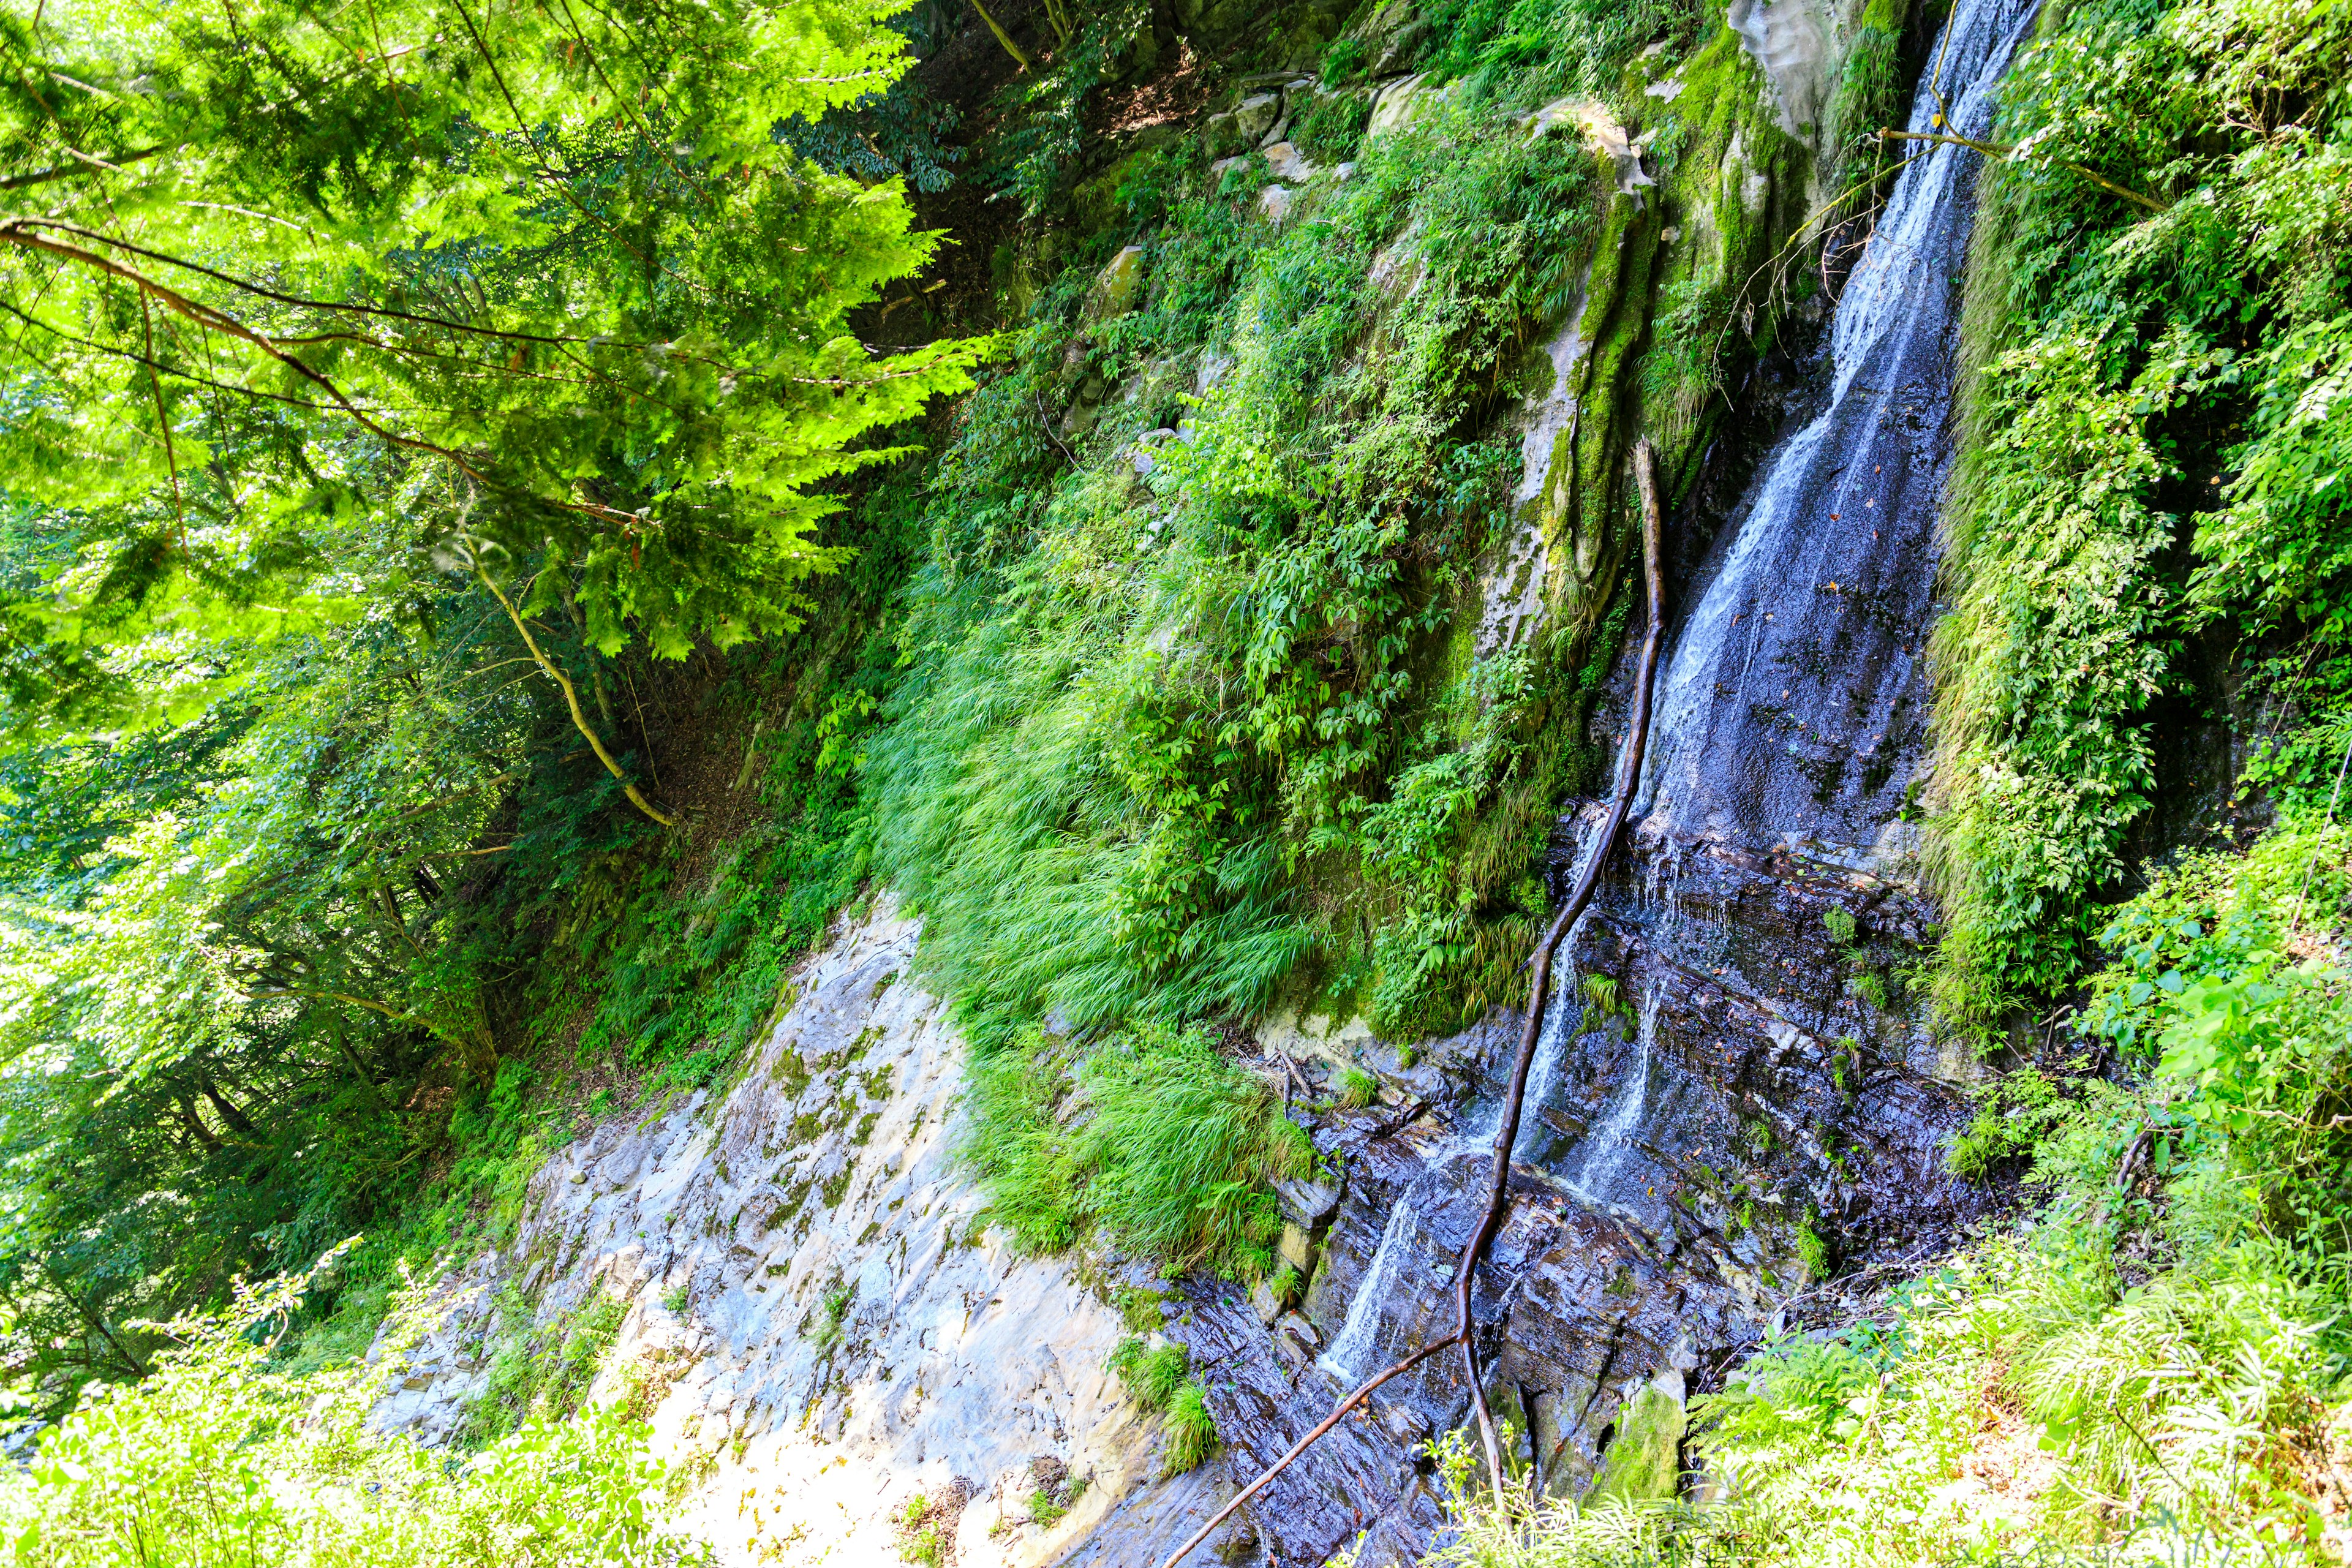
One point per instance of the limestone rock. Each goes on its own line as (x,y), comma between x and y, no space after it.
(1264,1303)
(1401,103)
(1794,43)
(1310,1204)
(1601,132)
(1298,1247)
(1296,1340)
(1288,162)
(1274,201)
(1223,133)
(957,1357)
(1255,115)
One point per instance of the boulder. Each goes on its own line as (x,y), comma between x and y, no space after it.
(1255,115)
(1119,288)
(1643,1463)
(1401,49)
(1401,103)
(1273,204)
(1288,163)
(1222,132)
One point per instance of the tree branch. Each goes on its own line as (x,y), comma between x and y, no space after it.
(1003,38)
(83,164)
(571,698)
(1998,150)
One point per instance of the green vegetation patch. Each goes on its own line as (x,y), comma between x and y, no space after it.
(1154,1139)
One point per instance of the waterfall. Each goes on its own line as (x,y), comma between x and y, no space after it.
(1349,1356)
(1787,709)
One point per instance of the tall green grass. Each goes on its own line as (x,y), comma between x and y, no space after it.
(1154,1142)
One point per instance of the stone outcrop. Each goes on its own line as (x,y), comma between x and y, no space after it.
(820,1321)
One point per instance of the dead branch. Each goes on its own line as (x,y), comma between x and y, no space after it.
(1629,779)
(2000,149)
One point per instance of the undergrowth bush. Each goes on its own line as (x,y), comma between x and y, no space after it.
(2144,377)
(217,1456)
(1163,742)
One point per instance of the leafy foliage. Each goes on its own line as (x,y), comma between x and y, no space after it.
(1167,1148)
(215,1457)
(547,301)
(1124,754)
(2152,377)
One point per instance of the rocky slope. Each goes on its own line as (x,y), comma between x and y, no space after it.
(818,1318)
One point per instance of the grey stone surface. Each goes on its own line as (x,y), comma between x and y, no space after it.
(725,1220)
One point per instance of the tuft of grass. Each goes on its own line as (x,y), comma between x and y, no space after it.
(1358,1089)
(1603,994)
(831,1310)
(539,1370)
(1192,1430)
(1285,1285)
(1152,1377)
(1155,1139)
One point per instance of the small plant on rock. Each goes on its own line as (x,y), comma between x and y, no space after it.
(1192,1430)
(1152,1377)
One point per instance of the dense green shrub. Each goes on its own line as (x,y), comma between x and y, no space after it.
(215,1456)
(1146,723)
(2145,376)
(1166,1149)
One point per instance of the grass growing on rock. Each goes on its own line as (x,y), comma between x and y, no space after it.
(1160,1380)
(1154,1142)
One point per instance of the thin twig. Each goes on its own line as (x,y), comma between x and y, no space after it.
(1046,420)
(1998,150)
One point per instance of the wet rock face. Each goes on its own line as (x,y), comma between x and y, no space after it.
(1675,1170)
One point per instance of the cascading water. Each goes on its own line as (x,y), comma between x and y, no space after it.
(1604,1151)
(1791,710)
(1678,1172)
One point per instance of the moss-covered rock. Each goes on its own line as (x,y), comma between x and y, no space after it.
(1643,1462)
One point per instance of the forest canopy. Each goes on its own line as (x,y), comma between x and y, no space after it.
(391,390)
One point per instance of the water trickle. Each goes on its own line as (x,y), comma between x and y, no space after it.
(1610,1145)
(1350,1354)
(1348,1359)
